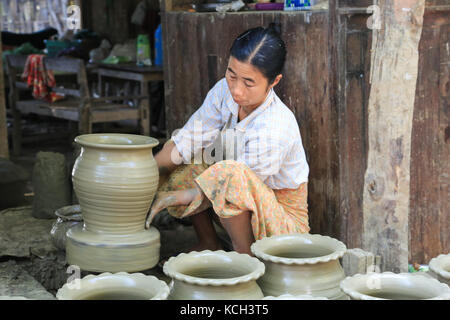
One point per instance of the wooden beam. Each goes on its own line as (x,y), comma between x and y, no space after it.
(394,73)
(355,11)
(4,153)
(437,8)
(166,5)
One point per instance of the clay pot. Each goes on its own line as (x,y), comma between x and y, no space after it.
(117,286)
(68,216)
(440,268)
(392,286)
(115,178)
(301,264)
(214,275)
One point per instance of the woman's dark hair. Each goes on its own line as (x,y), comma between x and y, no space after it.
(263,48)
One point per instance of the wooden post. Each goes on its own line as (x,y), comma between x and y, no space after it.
(3,126)
(391,104)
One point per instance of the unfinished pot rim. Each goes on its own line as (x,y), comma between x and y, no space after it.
(65,293)
(348,283)
(338,251)
(288,296)
(170,270)
(436,266)
(70,213)
(128,141)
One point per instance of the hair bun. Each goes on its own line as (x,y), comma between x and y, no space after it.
(276,27)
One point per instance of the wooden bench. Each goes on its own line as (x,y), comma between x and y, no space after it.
(78,104)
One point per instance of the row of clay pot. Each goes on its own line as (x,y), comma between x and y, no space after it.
(115,179)
(294,266)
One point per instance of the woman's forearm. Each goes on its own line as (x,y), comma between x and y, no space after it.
(165,160)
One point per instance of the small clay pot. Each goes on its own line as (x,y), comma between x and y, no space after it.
(68,217)
(394,286)
(301,264)
(115,286)
(214,275)
(440,268)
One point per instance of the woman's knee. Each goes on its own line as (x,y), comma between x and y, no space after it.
(231,164)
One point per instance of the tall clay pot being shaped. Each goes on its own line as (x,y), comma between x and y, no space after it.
(115,179)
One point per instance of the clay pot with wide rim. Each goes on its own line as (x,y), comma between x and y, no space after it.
(115,286)
(394,286)
(440,268)
(301,264)
(115,178)
(214,275)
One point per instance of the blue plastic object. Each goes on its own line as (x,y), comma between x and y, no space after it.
(292,5)
(158,47)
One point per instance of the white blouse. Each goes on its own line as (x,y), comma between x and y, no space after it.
(268,140)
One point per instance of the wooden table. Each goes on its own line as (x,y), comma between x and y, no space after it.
(129,71)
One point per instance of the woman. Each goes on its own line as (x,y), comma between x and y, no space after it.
(263,191)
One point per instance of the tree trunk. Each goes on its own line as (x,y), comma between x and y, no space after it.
(391,104)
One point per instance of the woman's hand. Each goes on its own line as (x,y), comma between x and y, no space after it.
(162,200)
(170,199)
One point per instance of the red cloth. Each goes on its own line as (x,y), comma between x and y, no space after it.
(42,80)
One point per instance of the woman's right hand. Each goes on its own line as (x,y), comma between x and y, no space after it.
(161,201)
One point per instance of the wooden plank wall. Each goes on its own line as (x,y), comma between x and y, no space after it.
(196,51)
(4,151)
(110,19)
(430,169)
(354,44)
(429,222)
(326,84)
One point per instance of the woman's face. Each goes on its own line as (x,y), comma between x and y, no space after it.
(248,86)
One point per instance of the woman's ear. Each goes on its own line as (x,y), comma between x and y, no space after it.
(275,82)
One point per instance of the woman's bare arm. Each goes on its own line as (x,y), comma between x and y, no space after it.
(167,159)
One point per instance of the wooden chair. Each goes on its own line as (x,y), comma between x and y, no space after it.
(78,104)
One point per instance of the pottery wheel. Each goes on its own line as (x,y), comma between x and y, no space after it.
(98,252)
